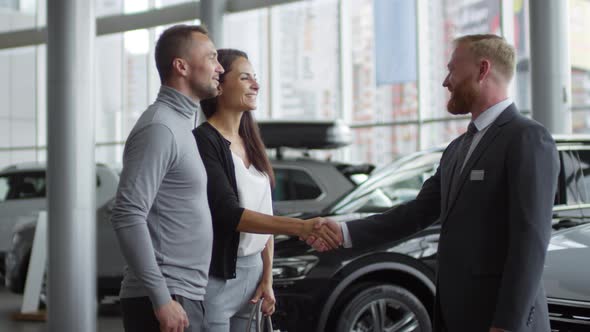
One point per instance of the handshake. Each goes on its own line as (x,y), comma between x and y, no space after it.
(322,234)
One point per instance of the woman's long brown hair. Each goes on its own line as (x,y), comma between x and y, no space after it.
(248,130)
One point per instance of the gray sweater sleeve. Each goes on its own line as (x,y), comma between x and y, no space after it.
(149,154)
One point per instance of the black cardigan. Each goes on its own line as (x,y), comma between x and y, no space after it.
(222,193)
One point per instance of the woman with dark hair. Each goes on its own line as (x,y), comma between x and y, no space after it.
(240,177)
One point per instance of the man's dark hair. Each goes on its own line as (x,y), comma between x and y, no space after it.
(174,43)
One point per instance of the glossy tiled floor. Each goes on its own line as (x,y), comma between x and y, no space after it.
(109,319)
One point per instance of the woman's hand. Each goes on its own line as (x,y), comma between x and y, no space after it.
(264,291)
(321,232)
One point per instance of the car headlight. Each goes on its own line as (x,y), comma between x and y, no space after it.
(293,267)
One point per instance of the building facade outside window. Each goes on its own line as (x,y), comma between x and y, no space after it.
(315,60)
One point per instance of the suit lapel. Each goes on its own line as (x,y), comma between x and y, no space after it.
(481,147)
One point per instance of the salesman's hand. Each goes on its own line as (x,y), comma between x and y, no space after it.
(172,317)
(327,224)
(324,238)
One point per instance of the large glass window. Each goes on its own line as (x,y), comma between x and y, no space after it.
(580,62)
(109,7)
(405,93)
(305,60)
(134,6)
(381,144)
(135,77)
(441,132)
(384,89)
(18,105)
(447,21)
(581,100)
(376,64)
(110,108)
(164,3)
(18,15)
(248,32)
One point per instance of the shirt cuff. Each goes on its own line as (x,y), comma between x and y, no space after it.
(346,236)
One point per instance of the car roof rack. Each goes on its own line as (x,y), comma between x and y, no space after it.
(305,135)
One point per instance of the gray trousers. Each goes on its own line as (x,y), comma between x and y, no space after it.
(227,302)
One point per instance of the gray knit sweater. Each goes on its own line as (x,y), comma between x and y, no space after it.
(161,215)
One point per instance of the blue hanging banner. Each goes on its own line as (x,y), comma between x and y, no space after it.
(395,41)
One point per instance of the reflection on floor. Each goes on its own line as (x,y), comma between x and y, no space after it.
(109,318)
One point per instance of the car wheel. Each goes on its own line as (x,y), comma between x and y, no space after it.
(383,308)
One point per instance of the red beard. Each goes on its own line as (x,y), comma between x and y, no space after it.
(463,97)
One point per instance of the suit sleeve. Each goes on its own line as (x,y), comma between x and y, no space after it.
(533,167)
(401,221)
(223,202)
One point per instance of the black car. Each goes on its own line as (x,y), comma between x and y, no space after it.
(338,291)
(391,287)
(566,277)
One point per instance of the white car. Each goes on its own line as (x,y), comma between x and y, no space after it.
(23,195)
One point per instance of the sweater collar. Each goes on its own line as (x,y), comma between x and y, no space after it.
(177,101)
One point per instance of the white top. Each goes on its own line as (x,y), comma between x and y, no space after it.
(254,194)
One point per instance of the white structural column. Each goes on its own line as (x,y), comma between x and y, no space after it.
(550,64)
(71,168)
(212,16)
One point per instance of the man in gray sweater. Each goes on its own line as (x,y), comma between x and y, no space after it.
(161,215)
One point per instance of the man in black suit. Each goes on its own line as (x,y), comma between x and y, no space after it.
(493,194)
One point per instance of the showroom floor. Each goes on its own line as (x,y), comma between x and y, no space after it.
(109,319)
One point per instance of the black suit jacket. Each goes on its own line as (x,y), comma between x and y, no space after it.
(495,229)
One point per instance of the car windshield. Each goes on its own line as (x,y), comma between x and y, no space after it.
(391,185)
(22,186)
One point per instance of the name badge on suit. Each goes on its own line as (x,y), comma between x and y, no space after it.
(477,175)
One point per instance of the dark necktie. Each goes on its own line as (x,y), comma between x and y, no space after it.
(465,145)
(461,155)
